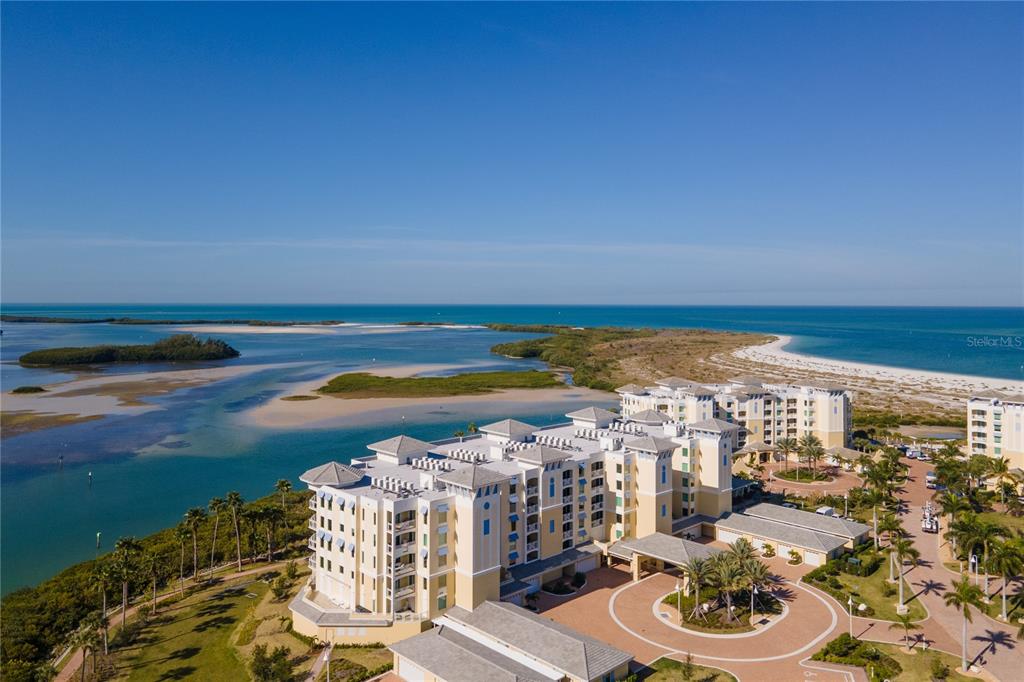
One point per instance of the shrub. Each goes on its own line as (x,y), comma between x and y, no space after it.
(768,551)
(888,590)
(794,557)
(291,570)
(940,670)
(275,666)
(280,587)
(578,579)
(852,651)
(835,584)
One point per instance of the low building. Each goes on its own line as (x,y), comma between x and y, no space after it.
(501,642)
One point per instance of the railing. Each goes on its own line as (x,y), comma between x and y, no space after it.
(404,548)
(312,503)
(312,543)
(597,506)
(406,525)
(567,535)
(530,547)
(532,527)
(404,569)
(531,491)
(567,516)
(312,524)
(531,509)
(404,591)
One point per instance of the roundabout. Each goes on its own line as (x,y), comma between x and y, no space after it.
(666,618)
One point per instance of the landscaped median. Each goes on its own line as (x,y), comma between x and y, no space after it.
(867,582)
(671,670)
(891,661)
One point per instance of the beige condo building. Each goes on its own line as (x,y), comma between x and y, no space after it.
(764,411)
(415,528)
(995,426)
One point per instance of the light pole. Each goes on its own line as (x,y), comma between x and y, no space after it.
(849,604)
(846,504)
(974,567)
(753,591)
(327,659)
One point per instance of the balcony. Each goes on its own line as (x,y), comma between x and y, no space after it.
(531,490)
(312,503)
(312,543)
(404,569)
(405,548)
(567,516)
(532,546)
(312,524)
(597,506)
(406,526)
(406,591)
(532,527)
(567,535)
(531,509)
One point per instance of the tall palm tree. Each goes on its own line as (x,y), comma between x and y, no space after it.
(903,549)
(271,518)
(86,639)
(194,517)
(1006,560)
(952,505)
(962,597)
(786,446)
(811,450)
(150,566)
(236,504)
(904,622)
(460,434)
(182,535)
(697,570)
(216,506)
(472,428)
(125,551)
(741,550)
(1000,468)
(283,486)
(102,579)
(986,533)
(892,528)
(728,576)
(874,498)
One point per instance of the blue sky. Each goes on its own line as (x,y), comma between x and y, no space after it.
(491,153)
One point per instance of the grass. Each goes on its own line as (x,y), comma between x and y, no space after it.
(802,475)
(298,398)
(29,389)
(19,422)
(870,590)
(917,667)
(267,622)
(349,662)
(889,661)
(671,670)
(364,385)
(193,638)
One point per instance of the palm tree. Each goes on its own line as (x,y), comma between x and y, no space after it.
(150,566)
(102,578)
(181,534)
(460,434)
(1000,468)
(757,575)
(729,578)
(235,504)
(903,549)
(985,533)
(216,506)
(271,517)
(697,571)
(125,550)
(811,450)
(892,528)
(874,498)
(786,446)
(903,621)
(741,550)
(283,486)
(472,427)
(953,505)
(1006,560)
(962,597)
(88,641)
(193,518)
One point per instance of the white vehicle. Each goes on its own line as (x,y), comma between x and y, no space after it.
(924,457)
(825,511)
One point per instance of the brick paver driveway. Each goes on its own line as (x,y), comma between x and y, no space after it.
(614,609)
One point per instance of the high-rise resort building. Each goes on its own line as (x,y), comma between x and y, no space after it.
(995,426)
(416,528)
(766,412)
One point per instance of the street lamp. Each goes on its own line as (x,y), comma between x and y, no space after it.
(974,567)
(849,603)
(846,504)
(327,659)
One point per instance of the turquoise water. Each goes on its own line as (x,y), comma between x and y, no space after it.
(148,469)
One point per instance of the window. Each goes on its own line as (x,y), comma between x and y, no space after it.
(442,602)
(551,526)
(424,538)
(551,487)
(442,581)
(664,473)
(663,510)
(725,460)
(487,526)
(618,468)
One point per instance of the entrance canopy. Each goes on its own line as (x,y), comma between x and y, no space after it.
(663,547)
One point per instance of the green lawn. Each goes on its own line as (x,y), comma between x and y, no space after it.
(671,670)
(917,667)
(363,385)
(802,475)
(1013,523)
(350,661)
(192,638)
(870,591)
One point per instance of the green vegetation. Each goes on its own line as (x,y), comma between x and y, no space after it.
(139,320)
(606,357)
(177,348)
(889,661)
(299,398)
(358,663)
(671,670)
(364,385)
(867,417)
(802,475)
(29,389)
(35,622)
(874,590)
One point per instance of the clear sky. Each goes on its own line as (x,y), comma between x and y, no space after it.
(856,153)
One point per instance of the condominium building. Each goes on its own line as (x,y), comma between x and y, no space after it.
(415,528)
(764,411)
(995,426)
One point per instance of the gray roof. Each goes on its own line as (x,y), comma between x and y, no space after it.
(823,385)
(454,657)
(748,380)
(560,560)
(780,532)
(549,642)
(845,452)
(675,382)
(651,444)
(819,523)
(716,425)
(332,474)
(540,454)
(648,417)
(473,476)
(698,391)
(509,428)
(592,414)
(631,388)
(756,446)
(988,394)
(399,446)
(662,546)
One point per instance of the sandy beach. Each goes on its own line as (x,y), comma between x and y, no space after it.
(258,329)
(329,410)
(946,389)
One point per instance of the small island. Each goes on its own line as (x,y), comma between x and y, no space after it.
(177,348)
(366,385)
(39,319)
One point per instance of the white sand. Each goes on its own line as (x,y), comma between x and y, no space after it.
(258,329)
(774,353)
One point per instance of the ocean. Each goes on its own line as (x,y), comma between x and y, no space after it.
(148,469)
